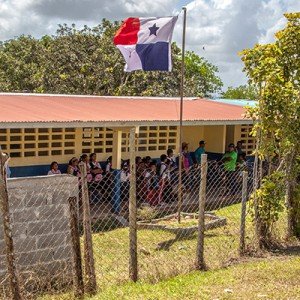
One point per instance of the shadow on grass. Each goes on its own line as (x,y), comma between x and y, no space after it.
(166,245)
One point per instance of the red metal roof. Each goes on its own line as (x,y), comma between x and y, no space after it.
(68,108)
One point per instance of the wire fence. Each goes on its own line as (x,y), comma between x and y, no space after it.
(146,222)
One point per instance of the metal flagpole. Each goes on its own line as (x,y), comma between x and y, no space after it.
(181,116)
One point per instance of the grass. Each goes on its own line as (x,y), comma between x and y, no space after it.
(183,224)
(272,278)
(161,256)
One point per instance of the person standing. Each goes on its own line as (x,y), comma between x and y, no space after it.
(239,146)
(199,151)
(171,158)
(229,160)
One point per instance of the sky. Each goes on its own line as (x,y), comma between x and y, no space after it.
(222,27)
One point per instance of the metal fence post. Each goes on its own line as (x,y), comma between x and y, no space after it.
(200,265)
(77,267)
(243,213)
(10,257)
(89,263)
(133,264)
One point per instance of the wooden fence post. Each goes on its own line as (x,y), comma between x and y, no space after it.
(89,263)
(9,245)
(200,264)
(77,267)
(243,212)
(133,259)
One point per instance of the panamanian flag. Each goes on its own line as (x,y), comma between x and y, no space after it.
(145,43)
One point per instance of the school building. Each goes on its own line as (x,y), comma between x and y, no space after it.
(36,129)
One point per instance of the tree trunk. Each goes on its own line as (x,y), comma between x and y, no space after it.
(292,198)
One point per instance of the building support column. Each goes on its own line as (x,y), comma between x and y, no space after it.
(117,149)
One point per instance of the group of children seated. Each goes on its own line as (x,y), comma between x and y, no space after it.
(155,179)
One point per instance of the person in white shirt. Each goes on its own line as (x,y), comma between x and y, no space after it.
(125,174)
(54,169)
(171,158)
(125,182)
(164,174)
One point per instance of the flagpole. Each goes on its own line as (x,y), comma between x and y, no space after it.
(181,116)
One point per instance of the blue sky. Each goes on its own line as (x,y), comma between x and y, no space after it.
(223,27)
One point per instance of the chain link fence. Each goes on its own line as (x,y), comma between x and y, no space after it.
(147,221)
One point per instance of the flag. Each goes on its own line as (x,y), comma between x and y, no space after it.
(145,43)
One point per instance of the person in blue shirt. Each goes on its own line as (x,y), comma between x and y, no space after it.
(199,151)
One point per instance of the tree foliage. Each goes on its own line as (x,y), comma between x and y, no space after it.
(87,62)
(274,69)
(241,92)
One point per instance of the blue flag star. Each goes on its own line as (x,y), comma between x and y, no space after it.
(153,29)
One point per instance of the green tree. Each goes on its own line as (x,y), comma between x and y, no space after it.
(20,64)
(241,92)
(87,62)
(274,69)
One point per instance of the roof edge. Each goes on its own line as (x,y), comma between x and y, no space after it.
(80,124)
(101,97)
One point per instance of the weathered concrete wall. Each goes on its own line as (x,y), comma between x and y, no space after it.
(40,225)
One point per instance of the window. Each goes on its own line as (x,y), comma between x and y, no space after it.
(29,153)
(247,139)
(69,151)
(43,137)
(15,131)
(69,144)
(29,130)
(56,152)
(43,130)
(43,145)
(15,146)
(15,138)
(43,153)
(29,137)
(28,146)
(69,129)
(15,154)
(56,129)
(56,145)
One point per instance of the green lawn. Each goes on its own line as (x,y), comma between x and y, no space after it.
(274,277)
(175,257)
(270,278)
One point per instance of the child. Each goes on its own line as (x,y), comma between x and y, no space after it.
(54,169)
(152,184)
(125,182)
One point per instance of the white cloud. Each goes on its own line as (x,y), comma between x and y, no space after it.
(39,17)
(223,27)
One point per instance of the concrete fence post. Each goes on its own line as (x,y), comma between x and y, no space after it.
(133,259)
(9,245)
(243,213)
(89,263)
(77,262)
(200,264)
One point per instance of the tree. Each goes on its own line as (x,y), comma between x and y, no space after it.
(274,69)
(87,62)
(248,92)
(21,68)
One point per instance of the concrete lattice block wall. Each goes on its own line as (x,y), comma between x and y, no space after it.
(39,213)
